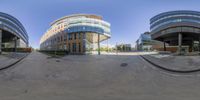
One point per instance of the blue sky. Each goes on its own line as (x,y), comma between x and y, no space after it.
(128,18)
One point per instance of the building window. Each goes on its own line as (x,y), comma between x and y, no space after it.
(84,35)
(74,36)
(61,38)
(65,47)
(65,37)
(74,47)
(58,39)
(79,47)
(69,37)
(69,47)
(79,35)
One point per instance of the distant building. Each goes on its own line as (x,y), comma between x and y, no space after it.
(124,47)
(144,42)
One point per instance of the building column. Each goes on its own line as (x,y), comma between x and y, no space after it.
(199,45)
(0,40)
(164,43)
(15,44)
(99,44)
(179,43)
(84,43)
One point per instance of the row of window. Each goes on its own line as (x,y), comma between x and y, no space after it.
(58,39)
(85,29)
(75,47)
(12,24)
(171,16)
(13,30)
(179,29)
(107,30)
(174,18)
(72,47)
(175,21)
(98,25)
(87,20)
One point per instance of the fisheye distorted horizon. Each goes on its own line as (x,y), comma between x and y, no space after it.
(128,18)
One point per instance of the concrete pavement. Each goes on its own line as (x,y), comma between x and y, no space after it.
(177,63)
(10,58)
(93,77)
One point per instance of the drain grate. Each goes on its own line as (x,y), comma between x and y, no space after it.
(124,64)
(57,60)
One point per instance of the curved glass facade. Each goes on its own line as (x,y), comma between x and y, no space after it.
(174,18)
(177,28)
(78,23)
(79,33)
(90,22)
(12,25)
(81,28)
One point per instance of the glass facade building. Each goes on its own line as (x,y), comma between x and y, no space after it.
(12,32)
(177,28)
(144,42)
(77,34)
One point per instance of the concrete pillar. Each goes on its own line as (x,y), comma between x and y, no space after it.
(199,45)
(0,40)
(84,43)
(179,43)
(192,46)
(164,46)
(99,44)
(15,44)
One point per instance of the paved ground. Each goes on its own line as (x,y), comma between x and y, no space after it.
(39,77)
(126,53)
(182,63)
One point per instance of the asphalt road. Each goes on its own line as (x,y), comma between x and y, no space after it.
(93,77)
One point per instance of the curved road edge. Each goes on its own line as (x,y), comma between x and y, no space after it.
(167,69)
(14,63)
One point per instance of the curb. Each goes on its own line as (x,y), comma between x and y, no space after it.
(169,70)
(8,66)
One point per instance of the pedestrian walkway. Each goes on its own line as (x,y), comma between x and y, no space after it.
(7,59)
(128,53)
(179,63)
(78,77)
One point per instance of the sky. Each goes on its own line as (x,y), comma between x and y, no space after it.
(128,18)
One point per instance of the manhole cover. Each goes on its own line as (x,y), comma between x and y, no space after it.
(124,65)
(57,60)
(49,57)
